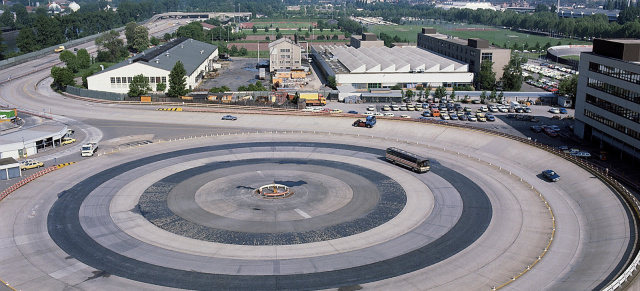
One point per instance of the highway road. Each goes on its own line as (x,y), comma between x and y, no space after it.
(483,217)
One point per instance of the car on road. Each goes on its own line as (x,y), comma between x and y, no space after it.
(352,112)
(582,155)
(554,110)
(389,114)
(229,117)
(551,175)
(30,164)
(563,111)
(336,111)
(405,116)
(67,140)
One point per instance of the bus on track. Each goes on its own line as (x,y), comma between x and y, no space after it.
(412,161)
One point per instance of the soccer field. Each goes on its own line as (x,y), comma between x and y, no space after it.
(494,35)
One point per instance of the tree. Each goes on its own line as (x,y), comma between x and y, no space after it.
(154,41)
(6,20)
(334,37)
(320,37)
(500,97)
(409,94)
(26,41)
(255,29)
(331,82)
(139,86)
(440,93)
(177,81)
(493,95)
(512,77)
(49,31)
(453,94)
(266,29)
(112,43)
(277,29)
(62,77)
(483,96)
(279,35)
(69,60)
(161,87)
(130,32)
(141,39)
(83,59)
(243,51)
(568,87)
(167,37)
(486,77)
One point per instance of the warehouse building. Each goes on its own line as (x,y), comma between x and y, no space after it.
(284,54)
(155,64)
(382,67)
(608,97)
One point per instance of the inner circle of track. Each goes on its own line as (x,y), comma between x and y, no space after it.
(65,229)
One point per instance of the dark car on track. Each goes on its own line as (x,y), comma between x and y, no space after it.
(551,175)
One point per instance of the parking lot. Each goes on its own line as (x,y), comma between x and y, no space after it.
(502,123)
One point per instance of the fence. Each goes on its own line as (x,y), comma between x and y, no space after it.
(96,94)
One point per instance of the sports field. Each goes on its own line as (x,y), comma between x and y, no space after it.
(494,35)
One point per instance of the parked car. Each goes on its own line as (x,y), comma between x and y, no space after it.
(30,164)
(378,114)
(490,117)
(563,111)
(444,116)
(554,110)
(463,117)
(551,175)
(550,132)
(405,116)
(493,108)
(582,155)
(386,108)
(453,116)
(422,118)
(371,108)
(526,109)
(352,112)
(395,107)
(472,118)
(368,113)
(67,140)
(336,111)
(229,117)
(426,113)
(389,114)
(535,128)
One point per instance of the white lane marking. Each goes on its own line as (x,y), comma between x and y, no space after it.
(68,270)
(260,173)
(302,213)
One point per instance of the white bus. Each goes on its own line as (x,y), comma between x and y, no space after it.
(409,160)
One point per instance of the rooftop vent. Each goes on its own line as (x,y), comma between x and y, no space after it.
(201,51)
(181,45)
(157,60)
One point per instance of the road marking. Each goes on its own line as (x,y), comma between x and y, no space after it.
(302,213)
(68,270)
(260,173)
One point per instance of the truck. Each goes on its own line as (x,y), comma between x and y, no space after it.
(313,99)
(262,74)
(89,149)
(368,123)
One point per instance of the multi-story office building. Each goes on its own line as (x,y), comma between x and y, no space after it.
(284,54)
(471,51)
(608,96)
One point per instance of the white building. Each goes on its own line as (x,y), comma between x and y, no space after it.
(608,97)
(383,67)
(155,64)
(284,54)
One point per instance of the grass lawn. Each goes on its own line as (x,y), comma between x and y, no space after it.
(574,57)
(285,31)
(492,34)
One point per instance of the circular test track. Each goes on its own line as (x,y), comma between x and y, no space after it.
(183,214)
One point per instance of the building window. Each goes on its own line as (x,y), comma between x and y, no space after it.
(152,80)
(118,80)
(614,90)
(113,80)
(615,72)
(158,79)
(129,80)
(613,108)
(487,56)
(619,127)
(164,80)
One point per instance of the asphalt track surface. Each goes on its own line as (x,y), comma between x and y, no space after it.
(65,229)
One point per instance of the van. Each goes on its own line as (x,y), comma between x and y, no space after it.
(435,112)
